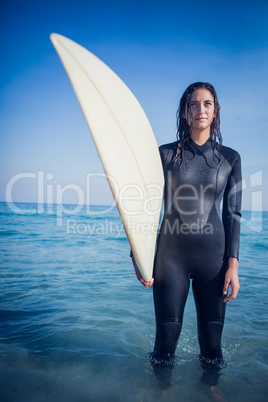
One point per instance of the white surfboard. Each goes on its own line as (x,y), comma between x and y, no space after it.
(125,143)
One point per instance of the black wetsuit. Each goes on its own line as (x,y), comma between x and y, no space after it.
(195,242)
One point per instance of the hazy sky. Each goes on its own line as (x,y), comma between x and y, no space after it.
(158,48)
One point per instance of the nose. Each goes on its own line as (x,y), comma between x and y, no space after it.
(201,108)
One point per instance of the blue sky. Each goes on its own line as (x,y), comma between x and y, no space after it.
(158,48)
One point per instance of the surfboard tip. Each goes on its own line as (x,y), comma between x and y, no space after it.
(53,37)
(57,38)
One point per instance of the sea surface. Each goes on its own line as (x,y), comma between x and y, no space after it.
(76,325)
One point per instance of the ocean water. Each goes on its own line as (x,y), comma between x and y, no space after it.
(76,325)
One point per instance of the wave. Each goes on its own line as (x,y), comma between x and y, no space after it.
(8,232)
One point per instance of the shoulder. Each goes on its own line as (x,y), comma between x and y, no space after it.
(168,152)
(228,153)
(167,149)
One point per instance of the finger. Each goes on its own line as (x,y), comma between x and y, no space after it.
(151,282)
(147,283)
(143,281)
(229,298)
(233,295)
(234,292)
(226,286)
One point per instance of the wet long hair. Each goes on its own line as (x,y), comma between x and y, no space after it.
(184,113)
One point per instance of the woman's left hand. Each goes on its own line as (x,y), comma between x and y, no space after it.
(231,278)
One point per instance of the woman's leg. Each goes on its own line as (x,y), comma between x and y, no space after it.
(208,294)
(171,286)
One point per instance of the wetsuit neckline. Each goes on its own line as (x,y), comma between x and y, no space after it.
(202,148)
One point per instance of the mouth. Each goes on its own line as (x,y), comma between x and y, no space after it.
(201,118)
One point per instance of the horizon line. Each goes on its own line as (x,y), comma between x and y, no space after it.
(92,205)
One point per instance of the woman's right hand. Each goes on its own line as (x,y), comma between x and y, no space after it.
(139,276)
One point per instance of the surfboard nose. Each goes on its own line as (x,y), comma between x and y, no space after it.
(53,36)
(55,39)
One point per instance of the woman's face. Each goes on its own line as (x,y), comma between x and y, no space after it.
(202,110)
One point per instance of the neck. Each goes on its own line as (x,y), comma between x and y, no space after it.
(200,137)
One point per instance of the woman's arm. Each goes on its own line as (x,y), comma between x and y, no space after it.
(231,221)
(231,211)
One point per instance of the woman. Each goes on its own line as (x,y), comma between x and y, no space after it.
(194,242)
